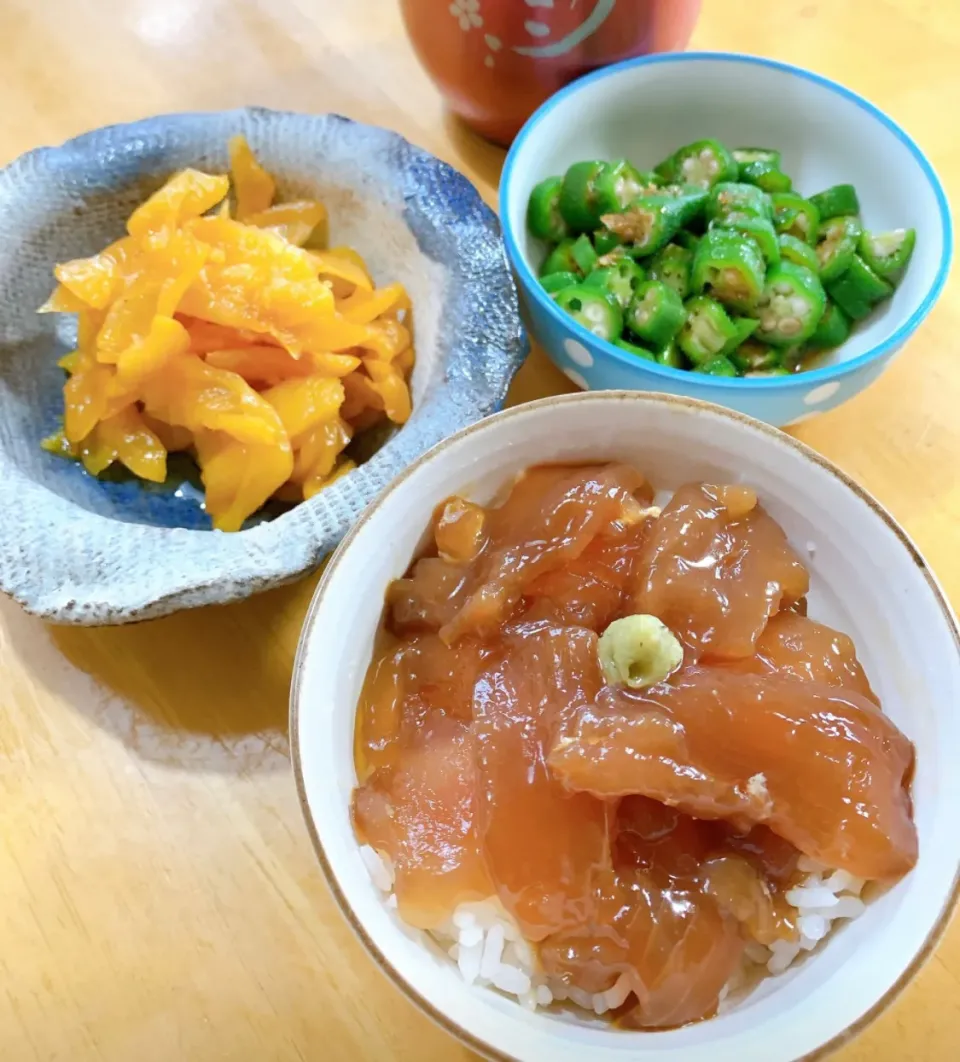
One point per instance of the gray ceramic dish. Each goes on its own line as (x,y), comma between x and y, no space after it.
(75,549)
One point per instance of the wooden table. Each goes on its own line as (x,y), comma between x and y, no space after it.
(159,898)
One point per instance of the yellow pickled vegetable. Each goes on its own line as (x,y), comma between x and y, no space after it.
(214,331)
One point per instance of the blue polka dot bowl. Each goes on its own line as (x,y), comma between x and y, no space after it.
(80,549)
(646,108)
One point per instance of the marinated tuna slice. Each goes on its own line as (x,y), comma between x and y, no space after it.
(550,517)
(594,589)
(671,946)
(715,568)
(422,816)
(824,768)
(542,843)
(407,682)
(797,646)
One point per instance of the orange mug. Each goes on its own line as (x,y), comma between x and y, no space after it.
(496,61)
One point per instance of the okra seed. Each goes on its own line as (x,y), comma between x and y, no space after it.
(768,322)
(641,317)
(783,288)
(789,326)
(798,305)
(706,155)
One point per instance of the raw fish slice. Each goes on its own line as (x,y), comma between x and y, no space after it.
(715,568)
(548,520)
(594,589)
(801,648)
(674,946)
(407,682)
(541,842)
(823,768)
(428,598)
(422,816)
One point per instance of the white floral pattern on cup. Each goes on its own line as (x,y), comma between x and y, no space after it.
(467,13)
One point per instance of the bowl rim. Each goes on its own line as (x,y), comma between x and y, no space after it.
(530,283)
(943,917)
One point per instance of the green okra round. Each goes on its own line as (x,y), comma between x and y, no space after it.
(760,230)
(554,282)
(734,198)
(832,329)
(795,216)
(743,156)
(605,241)
(620,280)
(858,289)
(887,253)
(837,201)
(798,251)
(765,175)
(672,356)
(791,305)
(596,310)
(704,163)
(718,366)
(837,242)
(578,196)
(731,266)
(544,219)
(617,184)
(655,313)
(673,265)
(754,356)
(707,329)
(560,260)
(635,350)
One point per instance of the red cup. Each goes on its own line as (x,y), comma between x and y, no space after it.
(496,61)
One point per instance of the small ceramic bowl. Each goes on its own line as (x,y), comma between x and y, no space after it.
(76,549)
(646,108)
(905,633)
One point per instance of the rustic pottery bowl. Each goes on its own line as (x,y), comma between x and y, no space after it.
(75,549)
(646,108)
(905,632)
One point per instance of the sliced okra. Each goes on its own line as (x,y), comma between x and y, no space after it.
(686,238)
(791,305)
(745,327)
(605,241)
(731,266)
(597,311)
(578,196)
(832,329)
(673,265)
(764,374)
(718,366)
(617,184)
(743,156)
(798,251)
(858,289)
(635,350)
(887,253)
(671,356)
(620,280)
(731,197)
(544,219)
(704,163)
(765,175)
(836,202)
(753,356)
(706,331)
(837,243)
(795,216)
(554,282)
(655,313)
(560,260)
(649,222)
(760,230)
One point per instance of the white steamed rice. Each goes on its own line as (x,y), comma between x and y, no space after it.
(489,950)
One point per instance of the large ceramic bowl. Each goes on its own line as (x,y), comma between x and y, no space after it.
(645,109)
(83,550)
(867,579)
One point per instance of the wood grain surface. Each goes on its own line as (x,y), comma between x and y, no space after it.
(159,898)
